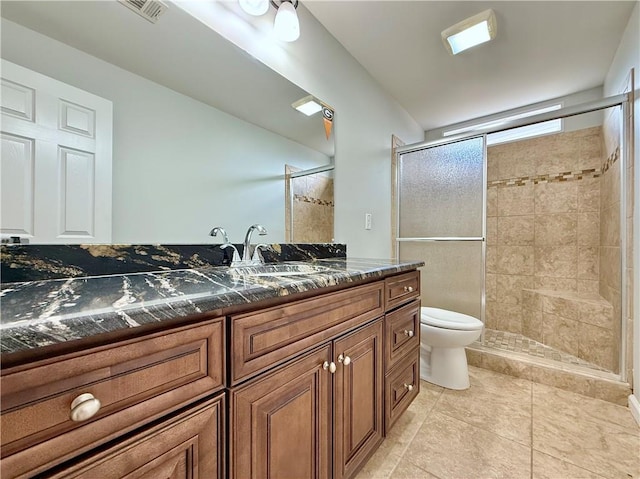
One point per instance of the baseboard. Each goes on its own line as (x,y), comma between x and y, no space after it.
(634,407)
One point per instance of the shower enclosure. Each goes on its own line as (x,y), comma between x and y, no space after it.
(309,208)
(528,235)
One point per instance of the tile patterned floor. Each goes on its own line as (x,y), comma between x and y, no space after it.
(505,427)
(518,343)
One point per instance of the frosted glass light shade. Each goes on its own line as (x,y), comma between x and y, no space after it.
(470,32)
(254,7)
(286,25)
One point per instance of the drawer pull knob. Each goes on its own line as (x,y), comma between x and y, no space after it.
(408,332)
(84,407)
(331,366)
(409,387)
(408,289)
(346,360)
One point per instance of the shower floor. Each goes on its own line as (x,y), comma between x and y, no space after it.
(518,343)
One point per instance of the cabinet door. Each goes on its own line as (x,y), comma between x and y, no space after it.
(281,423)
(188,446)
(358,398)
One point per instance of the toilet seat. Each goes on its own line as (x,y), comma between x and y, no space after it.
(442,318)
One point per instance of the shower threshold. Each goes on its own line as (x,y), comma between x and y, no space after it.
(517,343)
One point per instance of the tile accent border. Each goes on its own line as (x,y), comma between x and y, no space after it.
(611,160)
(558,177)
(315,201)
(548,178)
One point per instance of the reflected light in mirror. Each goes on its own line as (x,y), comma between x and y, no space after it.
(255,7)
(307,105)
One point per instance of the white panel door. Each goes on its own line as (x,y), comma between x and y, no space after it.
(17,180)
(56,160)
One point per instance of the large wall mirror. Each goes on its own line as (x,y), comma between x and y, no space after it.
(202,132)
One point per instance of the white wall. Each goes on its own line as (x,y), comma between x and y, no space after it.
(180,167)
(366,117)
(626,58)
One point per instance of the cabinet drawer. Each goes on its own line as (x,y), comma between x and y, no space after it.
(187,446)
(136,381)
(402,385)
(402,288)
(402,332)
(264,338)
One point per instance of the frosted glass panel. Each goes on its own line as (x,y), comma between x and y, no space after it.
(441,190)
(452,276)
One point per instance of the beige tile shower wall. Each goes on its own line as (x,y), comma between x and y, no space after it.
(543,221)
(313,209)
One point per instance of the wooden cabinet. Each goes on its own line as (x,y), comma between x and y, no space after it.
(358,399)
(402,332)
(264,338)
(312,385)
(136,382)
(402,385)
(281,423)
(187,446)
(401,288)
(402,345)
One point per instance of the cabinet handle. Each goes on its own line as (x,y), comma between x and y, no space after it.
(346,360)
(408,289)
(409,387)
(84,407)
(331,366)
(408,332)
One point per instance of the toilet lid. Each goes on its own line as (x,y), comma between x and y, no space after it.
(442,318)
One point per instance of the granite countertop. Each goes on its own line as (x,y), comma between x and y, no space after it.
(42,313)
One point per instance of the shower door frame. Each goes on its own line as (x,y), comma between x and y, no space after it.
(623,101)
(453,239)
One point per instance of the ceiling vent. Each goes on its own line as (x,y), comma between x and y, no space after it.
(149,9)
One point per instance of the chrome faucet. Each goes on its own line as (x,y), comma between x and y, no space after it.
(246,253)
(235,259)
(220,229)
(257,258)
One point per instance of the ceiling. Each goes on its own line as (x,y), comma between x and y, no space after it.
(542,50)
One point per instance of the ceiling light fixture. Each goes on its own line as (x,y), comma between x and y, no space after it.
(470,32)
(307,105)
(286,25)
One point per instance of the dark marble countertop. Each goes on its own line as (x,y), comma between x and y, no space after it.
(42,313)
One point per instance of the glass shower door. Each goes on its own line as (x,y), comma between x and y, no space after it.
(441,221)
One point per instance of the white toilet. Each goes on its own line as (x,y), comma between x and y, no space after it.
(444,334)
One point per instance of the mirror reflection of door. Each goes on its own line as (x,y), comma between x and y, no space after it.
(309,206)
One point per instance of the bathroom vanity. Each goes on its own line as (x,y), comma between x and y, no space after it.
(281,372)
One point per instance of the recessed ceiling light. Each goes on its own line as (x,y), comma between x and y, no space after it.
(470,32)
(307,105)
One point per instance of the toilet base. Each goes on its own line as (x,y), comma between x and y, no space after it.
(448,368)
